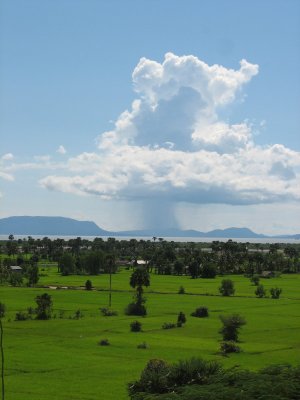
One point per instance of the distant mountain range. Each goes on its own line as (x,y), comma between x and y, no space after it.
(60,226)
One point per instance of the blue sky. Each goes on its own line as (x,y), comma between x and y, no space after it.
(190,153)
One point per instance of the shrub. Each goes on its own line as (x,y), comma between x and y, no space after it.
(229,347)
(181,290)
(78,314)
(104,342)
(192,371)
(142,346)
(154,378)
(135,309)
(135,326)
(200,312)
(181,319)
(260,291)
(168,325)
(275,293)
(227,287)
(107,312)
(231,326)
(88,285)
(159,377)
(22,316)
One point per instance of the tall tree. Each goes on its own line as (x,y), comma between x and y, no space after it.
(139,278)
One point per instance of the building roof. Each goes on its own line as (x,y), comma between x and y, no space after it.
(15,268)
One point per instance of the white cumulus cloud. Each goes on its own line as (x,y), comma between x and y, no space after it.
(172,144)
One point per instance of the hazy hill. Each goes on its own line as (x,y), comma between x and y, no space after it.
(60,226)
(217,233)
(49,226)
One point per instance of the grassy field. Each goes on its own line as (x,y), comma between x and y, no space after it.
(60,359)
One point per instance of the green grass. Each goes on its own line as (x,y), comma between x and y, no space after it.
(60,359)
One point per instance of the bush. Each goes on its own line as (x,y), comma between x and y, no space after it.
(181,319)
(200,312)
(107,312)
(159,377)
(154,378)
(136,309)
(168,325)
(104,342)
(227,287)
(231,326)
(78,314)
(135,326)
(88,285)
(229,347)
(275,293)
(22,316)
(142,346)
(181,290)
(260,291)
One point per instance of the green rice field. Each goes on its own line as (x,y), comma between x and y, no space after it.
(60,359)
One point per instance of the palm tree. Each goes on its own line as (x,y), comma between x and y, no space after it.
(139,278)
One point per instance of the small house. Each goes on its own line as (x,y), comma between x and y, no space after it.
(16,269)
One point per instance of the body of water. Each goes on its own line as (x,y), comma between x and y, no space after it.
(168,239)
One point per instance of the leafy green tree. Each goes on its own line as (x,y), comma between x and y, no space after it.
(194,269)
(231,326)
(208,270)
(44,306)
(15,279)
(227,287)
(66,264)
(33,275)
(178,267)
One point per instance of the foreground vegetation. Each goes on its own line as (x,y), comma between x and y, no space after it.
(196,379)
(86,350)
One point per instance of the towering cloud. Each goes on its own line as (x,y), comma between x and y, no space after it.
(173,145)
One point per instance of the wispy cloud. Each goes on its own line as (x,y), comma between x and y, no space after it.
(61,150)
